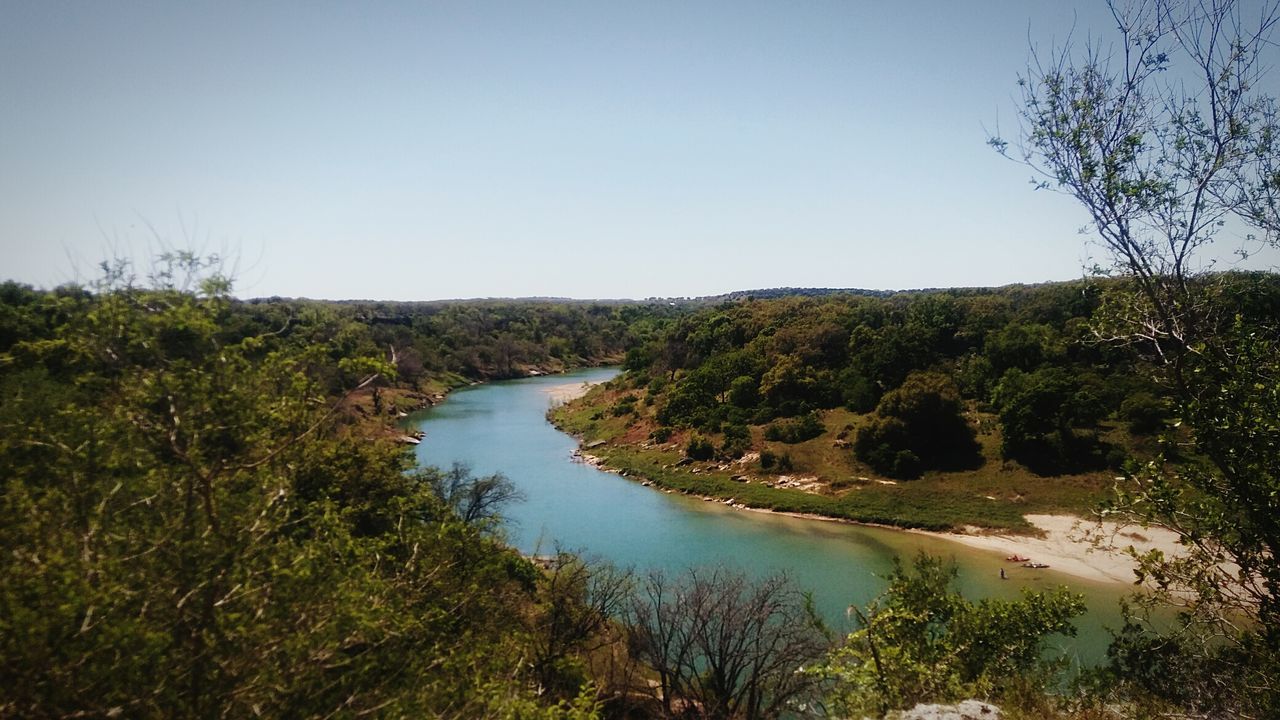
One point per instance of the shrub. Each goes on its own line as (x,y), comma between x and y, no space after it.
(784,463)
(1144,413)
(772,461)
(883,444)
(661,434)
(737,440)
(699,448)
(795,430)
(767,459)
(655,388)
(922,641)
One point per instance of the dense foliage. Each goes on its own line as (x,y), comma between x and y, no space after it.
(193,528)
(485,339)
(917,426)
(922,362)
(188,532)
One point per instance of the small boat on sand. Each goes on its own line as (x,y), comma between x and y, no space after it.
(1016,558)
(1035,565)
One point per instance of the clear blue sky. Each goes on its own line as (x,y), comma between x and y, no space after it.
(587,149)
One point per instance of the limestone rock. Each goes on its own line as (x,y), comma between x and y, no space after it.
(967,710)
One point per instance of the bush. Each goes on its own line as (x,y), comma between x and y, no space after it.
(1144,412)
(922,641)
(883,444)
(737,440)
(767,459)
(661,434)
(699,448)
(655,388)
(771,461)
(795,430)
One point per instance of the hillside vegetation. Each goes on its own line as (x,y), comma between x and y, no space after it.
(934,409)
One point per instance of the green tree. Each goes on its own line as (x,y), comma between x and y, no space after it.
(919,426)
(1039,413)
(922,641)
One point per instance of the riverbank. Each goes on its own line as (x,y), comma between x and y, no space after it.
(1089,549)
(821,475)
(1016,516)
(378,410)
(1092,550)
(502,427)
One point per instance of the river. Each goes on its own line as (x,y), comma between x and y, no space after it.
(501,427)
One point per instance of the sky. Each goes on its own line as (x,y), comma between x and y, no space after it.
(596,149)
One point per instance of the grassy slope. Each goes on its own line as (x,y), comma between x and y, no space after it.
(995,496)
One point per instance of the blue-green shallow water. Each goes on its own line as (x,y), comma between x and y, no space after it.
(501,427)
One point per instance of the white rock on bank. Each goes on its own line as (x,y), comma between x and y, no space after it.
(967,710)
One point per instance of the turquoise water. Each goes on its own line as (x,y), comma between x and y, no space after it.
(501,427)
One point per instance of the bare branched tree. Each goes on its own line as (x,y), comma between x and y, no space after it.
(474,499)
(579,601)
(1168,139)
(724,647)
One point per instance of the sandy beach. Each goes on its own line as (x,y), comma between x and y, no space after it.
(1087,549)
(568,391)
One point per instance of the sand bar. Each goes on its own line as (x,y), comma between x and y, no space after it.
(1086,549)
(568,391)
